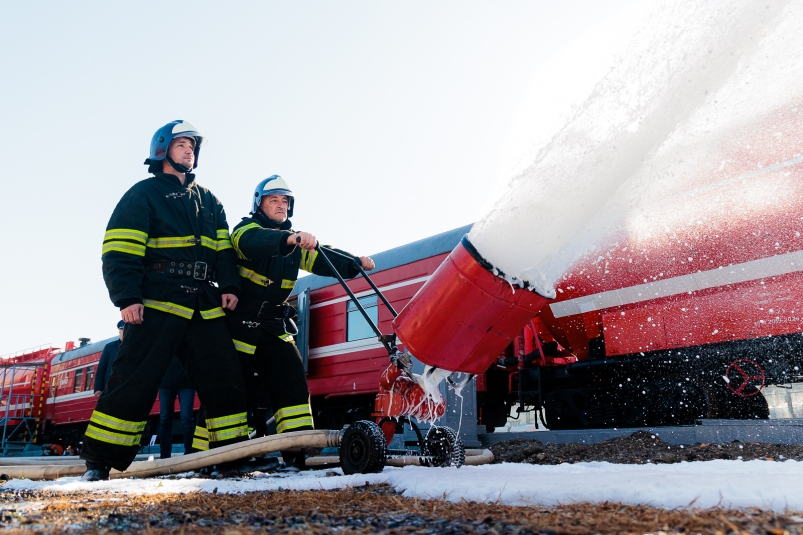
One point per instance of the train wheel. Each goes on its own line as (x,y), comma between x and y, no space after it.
(445,447)
(363,449)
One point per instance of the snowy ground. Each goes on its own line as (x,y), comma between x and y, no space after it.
(732,484)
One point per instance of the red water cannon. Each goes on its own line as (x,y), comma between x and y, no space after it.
(464,315)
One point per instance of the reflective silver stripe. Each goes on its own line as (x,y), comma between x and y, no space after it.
(123,247)
(226,434)
(223,421)
(112,438)
(295,410)
(116,423)
(172,308)
(762,268)
(172,241)
(125,234)
(212,313)
(243,347)
(293,424)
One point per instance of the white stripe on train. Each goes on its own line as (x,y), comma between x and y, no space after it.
(763,268)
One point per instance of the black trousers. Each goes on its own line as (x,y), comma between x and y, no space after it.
(206,352)
(281,373)
(280,368)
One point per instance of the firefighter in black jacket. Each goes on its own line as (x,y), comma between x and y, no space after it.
(262,329)
(166,243)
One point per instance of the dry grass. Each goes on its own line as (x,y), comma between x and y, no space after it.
(375,509)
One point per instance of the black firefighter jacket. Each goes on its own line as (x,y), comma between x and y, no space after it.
(163,244)
(268,270)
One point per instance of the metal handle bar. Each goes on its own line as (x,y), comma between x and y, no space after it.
(386,341)
(364,274)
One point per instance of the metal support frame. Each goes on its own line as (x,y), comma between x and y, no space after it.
(19,417)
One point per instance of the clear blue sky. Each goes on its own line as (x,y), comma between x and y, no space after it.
(390,120)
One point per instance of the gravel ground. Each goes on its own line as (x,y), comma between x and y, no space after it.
(639,448)
(370,509)
(380,509)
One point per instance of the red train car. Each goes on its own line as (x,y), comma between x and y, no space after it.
(70,395)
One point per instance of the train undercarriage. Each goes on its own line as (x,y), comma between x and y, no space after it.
(673,387)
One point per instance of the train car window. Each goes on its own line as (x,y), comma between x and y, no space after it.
(357,327)
(79,383)
(90,378)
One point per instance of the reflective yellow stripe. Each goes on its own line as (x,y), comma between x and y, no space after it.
(116,423)
(223,421)
(172,308)
(212,313)
(200,441)
(173,241)
(125,234)
(293,417)
(254,277)
(285,337)
(124,247)
(234,432)
(209,242)
(294,424)
(112,438)
(243,347)
(308,259)
(237,234)
(223,244)
(288,284)
(223,234)
(295,410)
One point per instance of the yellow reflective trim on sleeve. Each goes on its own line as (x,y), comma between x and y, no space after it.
(308,259)
(116,423)
(286,337)
(171,242)
(237,234)
(243,347)
(223,421)
(112,438)
(293,424)
(125,234)
(124,247)
(295,410)
(223,244)
(212,313)
(227,434)
(253,276)
(172,308)
(288,284)
(223,234)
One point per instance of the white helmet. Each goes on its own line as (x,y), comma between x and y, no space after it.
(273,185)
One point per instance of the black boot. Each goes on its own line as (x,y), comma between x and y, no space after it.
(95,472)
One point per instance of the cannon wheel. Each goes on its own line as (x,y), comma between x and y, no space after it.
(445,447)
(363,449)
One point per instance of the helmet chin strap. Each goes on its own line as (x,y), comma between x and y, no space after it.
(177,166)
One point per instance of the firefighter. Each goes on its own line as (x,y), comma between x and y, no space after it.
(270,256)
(169,266)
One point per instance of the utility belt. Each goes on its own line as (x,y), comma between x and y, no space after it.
(197,270)
(266,311)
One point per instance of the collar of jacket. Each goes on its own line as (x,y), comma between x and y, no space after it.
(174,181)
(267,222)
